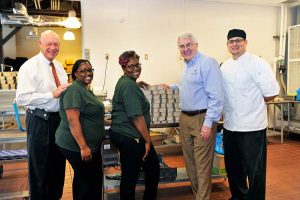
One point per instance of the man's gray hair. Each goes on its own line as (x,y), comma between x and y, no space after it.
(187,35)
(48,32)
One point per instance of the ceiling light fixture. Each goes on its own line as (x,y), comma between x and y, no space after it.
(72,21)
(69,35)
(33,33)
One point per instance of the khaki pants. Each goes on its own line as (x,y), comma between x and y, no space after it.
(198,154)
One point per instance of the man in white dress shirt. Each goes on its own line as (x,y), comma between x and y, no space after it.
(41,80)
(248,83)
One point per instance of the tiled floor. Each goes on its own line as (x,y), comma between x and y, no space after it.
(283,177)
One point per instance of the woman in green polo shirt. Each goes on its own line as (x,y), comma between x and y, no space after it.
(81,131)
(130,131)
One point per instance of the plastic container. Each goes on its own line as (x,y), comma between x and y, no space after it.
(298,95)
(219,143)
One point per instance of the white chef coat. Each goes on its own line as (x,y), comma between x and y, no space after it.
(246,81)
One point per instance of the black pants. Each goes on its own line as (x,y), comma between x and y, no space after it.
(46,164)
(87,182)
(245,162)
(131,156)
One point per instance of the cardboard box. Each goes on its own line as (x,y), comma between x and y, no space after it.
(158,138)
(219,165)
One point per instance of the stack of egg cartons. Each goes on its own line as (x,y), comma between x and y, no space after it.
(164,104)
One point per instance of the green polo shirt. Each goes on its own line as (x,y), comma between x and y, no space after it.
(91,118)
(128,102)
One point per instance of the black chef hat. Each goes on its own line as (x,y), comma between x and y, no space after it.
(236,33)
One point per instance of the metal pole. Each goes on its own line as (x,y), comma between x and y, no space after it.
(6,39)
(281,122)
(11,34)
(1,44)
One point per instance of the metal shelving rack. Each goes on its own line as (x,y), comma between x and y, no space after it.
(293,70)
(8,139)
(111,186)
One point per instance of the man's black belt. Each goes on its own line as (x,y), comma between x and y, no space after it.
(41,113)
(195,112)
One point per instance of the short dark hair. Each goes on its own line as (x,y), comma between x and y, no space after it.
(125,56)
(76,66)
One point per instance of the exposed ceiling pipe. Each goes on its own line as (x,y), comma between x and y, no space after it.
(280,60)
(22,17)
(35,4)
(280,56)
(39,4)
(57,2)
(285,30)
(52,5)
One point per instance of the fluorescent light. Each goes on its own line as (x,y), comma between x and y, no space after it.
(69,35)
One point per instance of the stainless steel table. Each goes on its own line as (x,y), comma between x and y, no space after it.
(281,103)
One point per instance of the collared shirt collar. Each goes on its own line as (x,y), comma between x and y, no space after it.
(243,56)
(44,59)
(191,62)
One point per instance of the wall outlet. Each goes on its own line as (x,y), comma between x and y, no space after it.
(146,56)
(106,56)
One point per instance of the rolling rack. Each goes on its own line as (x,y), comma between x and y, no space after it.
(217,173)
(12,156)
(110,157)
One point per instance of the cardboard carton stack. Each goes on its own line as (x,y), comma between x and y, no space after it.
(164,104)
(219,165)
(8,80)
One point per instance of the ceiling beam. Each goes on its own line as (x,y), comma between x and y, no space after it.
(11,34)
(58,13)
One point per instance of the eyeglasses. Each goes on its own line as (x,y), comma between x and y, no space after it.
(136,66)
(85,71)
(187,46)
(238,41)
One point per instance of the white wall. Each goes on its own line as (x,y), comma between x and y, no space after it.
(9,49)
(152,26)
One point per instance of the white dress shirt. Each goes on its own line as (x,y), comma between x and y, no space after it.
(246,81)
(36,83)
